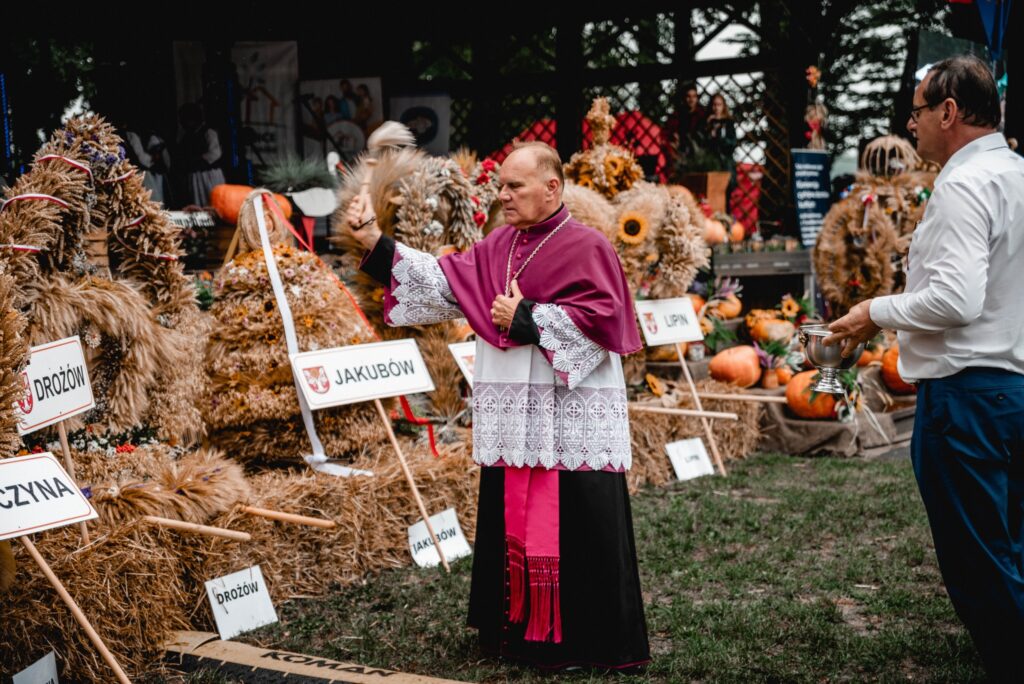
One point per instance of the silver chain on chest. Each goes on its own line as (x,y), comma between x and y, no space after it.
(509,276)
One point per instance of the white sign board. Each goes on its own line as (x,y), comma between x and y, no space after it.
(43,671)
(689,458)
(465,357)
(667,321)
(56,383)
(453,542)
(360,372)
(240,602)
(36,494)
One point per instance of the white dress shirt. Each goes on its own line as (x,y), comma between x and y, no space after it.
(963,304)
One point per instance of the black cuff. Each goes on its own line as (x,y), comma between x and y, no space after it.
(377,262)
(523,329)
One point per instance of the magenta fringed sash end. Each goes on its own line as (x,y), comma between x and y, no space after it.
(545,602)
(517,579)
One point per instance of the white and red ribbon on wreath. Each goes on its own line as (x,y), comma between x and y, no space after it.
(70,162)
(31,249)
(34,196)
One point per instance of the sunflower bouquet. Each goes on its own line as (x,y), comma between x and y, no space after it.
(796,310)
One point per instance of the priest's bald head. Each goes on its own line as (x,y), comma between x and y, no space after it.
(531,183)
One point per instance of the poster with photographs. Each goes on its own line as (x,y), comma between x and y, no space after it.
(338,115)
(428,117)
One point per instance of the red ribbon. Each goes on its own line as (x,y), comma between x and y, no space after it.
(276,208)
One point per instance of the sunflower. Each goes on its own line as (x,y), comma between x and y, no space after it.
(633,228)
(790,308)
(655,384)
(614,165)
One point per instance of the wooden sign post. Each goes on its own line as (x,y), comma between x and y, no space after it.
(672,321)
(368,372)
(36,494)
(57,387)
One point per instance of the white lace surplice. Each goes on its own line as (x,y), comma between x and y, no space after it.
(559,405)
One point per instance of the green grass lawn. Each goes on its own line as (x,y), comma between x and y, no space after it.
(789,569)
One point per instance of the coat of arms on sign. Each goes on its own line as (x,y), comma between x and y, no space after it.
(317,379)
(650,323)
(26,402)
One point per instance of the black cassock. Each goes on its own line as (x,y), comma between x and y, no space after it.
(602,608)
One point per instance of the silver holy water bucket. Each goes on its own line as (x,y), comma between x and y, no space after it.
(828,360)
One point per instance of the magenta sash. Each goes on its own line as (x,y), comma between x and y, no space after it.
(531,539)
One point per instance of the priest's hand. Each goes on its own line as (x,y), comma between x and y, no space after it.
(361,220)
(853,328)
(503,310)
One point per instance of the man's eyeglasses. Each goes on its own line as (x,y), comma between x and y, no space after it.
(915,112)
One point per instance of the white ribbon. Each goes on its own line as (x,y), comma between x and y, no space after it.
(317,460)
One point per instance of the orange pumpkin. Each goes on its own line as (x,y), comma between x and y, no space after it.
(768,329)
(665,352)
(869,355)
(698,302)
(798,398)
(785,374)
(714,232)
(737,232)
(769,378)
(227,200)
(730,307)
(737,365)
(891,374)
(755,315)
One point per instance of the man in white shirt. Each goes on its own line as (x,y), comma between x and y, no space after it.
(960,325)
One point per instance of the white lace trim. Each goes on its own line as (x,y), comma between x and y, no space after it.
(533,425)
(573,353)
(423,294)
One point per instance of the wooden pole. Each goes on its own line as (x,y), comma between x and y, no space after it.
(228,255)
(696,401)
(289,517)
(764,399)
(183,526)
(70,465)
(76,611)
(683,412)
(412,483)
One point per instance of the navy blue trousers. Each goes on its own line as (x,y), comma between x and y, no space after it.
(968,454)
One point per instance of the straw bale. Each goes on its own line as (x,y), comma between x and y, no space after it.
(373,514)
(8,566)
(651,431)
(126,581)
(250,402)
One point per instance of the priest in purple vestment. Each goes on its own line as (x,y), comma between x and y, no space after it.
(555,580)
